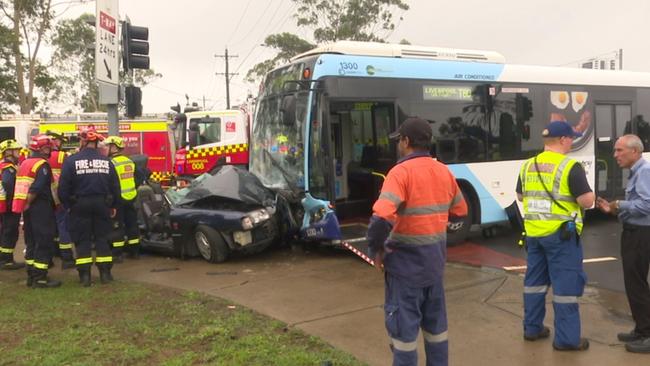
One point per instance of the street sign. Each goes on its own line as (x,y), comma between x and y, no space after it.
(107,42)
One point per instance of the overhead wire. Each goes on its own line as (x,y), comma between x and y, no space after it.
(238,23)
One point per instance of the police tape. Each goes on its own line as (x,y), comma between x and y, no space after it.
(359,253)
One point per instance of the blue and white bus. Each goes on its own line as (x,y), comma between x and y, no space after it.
(322,121)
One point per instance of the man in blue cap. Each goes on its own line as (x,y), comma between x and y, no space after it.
(554,191)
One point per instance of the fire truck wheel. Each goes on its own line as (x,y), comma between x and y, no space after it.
(210,244)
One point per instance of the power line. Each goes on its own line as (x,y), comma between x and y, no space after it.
(238,23)
(254,25)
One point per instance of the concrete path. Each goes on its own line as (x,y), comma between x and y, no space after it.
(335,296)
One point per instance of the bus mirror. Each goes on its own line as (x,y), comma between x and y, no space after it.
(288,110)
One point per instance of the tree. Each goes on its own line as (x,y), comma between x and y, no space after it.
(8,85)
(28,24)
(74,62)
(331,20)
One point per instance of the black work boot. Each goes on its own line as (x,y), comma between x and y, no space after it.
(134,252)
(41,280)
(30,276)
(105,275)
(11,265)
(84,276)
(67,263)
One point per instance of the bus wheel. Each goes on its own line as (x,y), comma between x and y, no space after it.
(210,244)
(458,234)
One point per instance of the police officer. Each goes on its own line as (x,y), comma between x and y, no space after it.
(33,198)
(89,191)
(63,239)
(407,234)
(127,217)
(9,221)
(554,191)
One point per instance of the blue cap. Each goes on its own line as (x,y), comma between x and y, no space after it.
(560,129)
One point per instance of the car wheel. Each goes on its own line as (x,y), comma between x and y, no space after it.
(210,244)
(459,235)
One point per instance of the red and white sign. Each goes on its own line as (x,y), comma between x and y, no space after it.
(107,42)
(231,126)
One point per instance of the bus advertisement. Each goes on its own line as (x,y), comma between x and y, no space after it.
(321,125)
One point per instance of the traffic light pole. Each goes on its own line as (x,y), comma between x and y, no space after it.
(113,120)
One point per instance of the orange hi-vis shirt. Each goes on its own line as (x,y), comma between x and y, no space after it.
(417,197)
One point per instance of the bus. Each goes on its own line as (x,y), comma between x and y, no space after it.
(322,120)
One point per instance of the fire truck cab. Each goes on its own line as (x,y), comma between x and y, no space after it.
(207,139)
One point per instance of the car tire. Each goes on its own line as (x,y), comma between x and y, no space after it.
(210,244)
(459,236)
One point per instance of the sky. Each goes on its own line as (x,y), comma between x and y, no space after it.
(185,36)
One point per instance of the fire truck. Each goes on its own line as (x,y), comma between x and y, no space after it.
(147,135)
(206,139)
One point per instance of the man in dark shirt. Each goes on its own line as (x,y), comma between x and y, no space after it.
(9,221)
(90,190)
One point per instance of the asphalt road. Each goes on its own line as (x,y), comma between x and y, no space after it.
(601,239)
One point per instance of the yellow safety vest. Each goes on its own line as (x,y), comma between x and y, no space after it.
(125,169)
(542,216)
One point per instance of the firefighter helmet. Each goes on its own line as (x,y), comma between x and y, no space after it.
(56,136)
(9,144)
(115,140)
(40,141)
(89,133)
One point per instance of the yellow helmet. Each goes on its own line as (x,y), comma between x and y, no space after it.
(115,140)
(10,144)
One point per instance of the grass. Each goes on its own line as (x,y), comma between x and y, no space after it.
(134,324)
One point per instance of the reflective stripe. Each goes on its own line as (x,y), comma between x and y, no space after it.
(41,265)
(547,216)
(404,346)
(558,174)
(29,262)
(535,289)
(65,245)
(456,200)
(103,259)
(565,299)
(118,244)
(419,239)
(6,250)
(134,241)
(423,210)
(87,260)
(127,190)
(543,194)
(435,338)
(117,162)
(391,197)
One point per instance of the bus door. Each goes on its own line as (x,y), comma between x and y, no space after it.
(611,120)
(361,154)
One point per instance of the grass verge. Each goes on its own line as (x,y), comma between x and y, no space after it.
(134,324)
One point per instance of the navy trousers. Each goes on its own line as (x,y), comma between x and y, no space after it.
(557,263)
(409,309)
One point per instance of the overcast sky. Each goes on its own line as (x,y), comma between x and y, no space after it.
(185,35)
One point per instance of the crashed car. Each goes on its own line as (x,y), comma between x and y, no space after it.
(227,210)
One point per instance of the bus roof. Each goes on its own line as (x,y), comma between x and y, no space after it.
(480,62)
(404,51)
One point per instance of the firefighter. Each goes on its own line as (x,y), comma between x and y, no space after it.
(89,190)
(554,191)
(126,220)
(63,239)
(9,221)
(407,234)
(33,198)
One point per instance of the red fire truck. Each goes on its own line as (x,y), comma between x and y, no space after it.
(206,139)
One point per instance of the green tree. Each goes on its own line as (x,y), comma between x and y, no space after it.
(331,20)
(74,62)
(28,23)
(8,86)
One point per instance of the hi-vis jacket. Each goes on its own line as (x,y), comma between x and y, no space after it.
(56,163)
(125,169)
(5,193)
(24,179)
(417,197)
(543,216)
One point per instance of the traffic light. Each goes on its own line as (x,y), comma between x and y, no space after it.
(524,108)
(135,47)
(133,101)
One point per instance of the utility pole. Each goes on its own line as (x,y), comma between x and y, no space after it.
(620,59)
(227,75)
